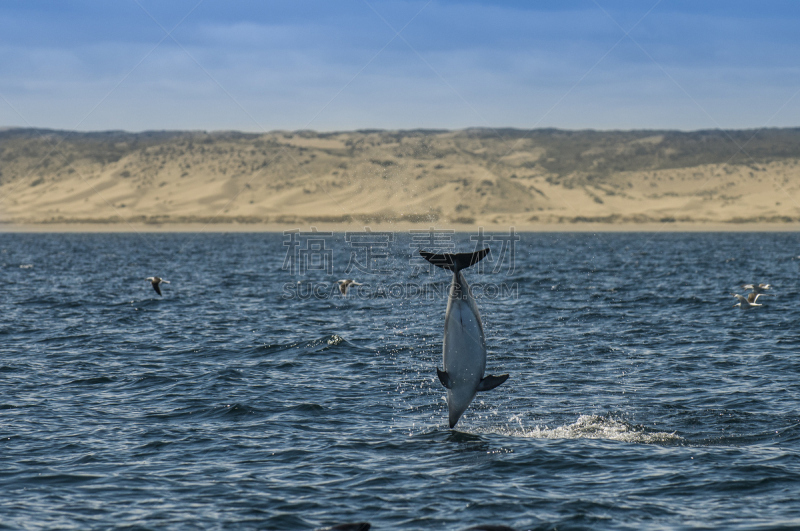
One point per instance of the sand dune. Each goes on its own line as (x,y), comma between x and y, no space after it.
(466,178)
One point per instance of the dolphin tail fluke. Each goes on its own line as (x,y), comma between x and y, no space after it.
(454,261)
(490,382)
(443,377)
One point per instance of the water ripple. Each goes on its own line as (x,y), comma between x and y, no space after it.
(637,399)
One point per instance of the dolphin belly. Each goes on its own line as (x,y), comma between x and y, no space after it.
(464,349)
(464,346)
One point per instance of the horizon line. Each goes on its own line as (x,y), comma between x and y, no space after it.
(427,130)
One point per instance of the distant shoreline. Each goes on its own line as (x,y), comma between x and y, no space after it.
(543,181)
(121,227)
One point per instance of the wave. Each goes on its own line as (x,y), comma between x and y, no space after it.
(599,427)
(783,435)
(233,410)
(319,344)
(307,407)
(148,380)
(92,381)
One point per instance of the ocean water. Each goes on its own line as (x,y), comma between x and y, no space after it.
(252,395)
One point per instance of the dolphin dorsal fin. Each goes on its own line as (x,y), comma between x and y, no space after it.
(443,377)
(490,382)
(454,261)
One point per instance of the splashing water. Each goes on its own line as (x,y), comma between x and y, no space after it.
(599,427)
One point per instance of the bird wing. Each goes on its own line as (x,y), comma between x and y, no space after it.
(155,287)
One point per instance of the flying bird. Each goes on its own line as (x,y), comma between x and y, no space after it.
(747,303)
(344,285)
(156,282)
(758,289)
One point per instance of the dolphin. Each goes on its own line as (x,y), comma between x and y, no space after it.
(464,348)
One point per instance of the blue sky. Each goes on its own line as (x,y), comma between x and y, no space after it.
(340,65)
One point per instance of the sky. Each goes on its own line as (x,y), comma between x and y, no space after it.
(336,65)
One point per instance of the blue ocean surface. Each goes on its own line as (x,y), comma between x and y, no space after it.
(253,395)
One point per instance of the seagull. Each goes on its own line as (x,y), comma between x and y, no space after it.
(747,303)
(758,289)
(345,284)
(156,282)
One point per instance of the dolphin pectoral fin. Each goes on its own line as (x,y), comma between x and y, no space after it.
(444,378)
(490,382)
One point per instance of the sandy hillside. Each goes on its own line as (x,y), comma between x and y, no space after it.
(479,177)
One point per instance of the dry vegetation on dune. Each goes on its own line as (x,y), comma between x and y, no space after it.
(475,176)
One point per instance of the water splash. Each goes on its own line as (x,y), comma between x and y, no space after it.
(598,427)
(335,340)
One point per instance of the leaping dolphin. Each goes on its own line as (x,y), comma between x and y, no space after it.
(464,349)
